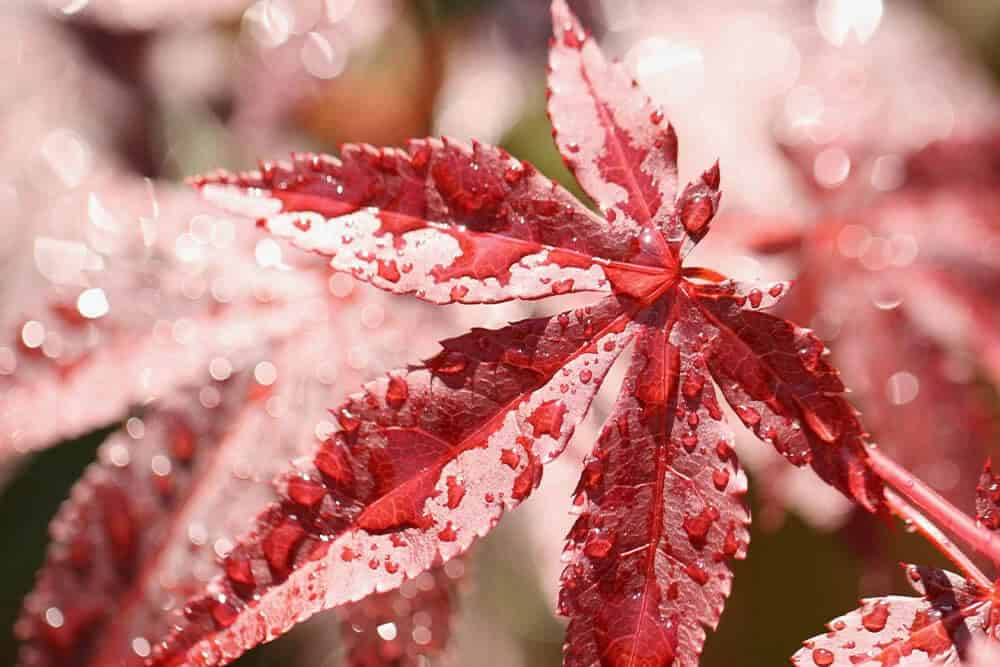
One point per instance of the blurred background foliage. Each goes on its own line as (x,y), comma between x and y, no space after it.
(395,84)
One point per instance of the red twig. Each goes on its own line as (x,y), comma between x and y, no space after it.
(937,508)
(934,535)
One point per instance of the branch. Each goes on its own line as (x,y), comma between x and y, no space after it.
(934,535)
(937,508)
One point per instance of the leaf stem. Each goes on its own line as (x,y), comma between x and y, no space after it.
(937,508)
(934,535)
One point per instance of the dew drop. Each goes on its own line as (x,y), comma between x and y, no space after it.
(697,573)
(510,458)
(822,657)
(388,271)
(447,534)
(693,384)
(749,416)
(696,214)
(875,620)
(597,547)
(562,286)
(456,491)
(396,392)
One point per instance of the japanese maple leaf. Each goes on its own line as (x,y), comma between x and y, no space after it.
(903,285)
(936,628)
(73,321)
(428,458)
(145,526)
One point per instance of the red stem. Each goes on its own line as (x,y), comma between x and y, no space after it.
(936,537)
(938,509)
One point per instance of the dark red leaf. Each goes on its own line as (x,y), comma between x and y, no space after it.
(665,514)
(937,628)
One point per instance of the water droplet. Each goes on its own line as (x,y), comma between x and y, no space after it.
(447,534)
(875,620)
(396,392)
(597,546)
(509,458)
(697,572)
(456,491)
(693,384)
(388,271)
(306,492)
(656,117)
(822,657)
(720,478)
(696,213)
(697,526)
(547,419)
(562,286)
(749,416)
(573,39)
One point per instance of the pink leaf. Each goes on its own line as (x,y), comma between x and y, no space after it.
(442,220)
(934,629)
(614,139)
(426,461)
(146,526)
(81,325)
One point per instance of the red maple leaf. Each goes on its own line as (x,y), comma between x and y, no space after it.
(146,525)
(202,296)
(903,285)
(937,628)
(429,458)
